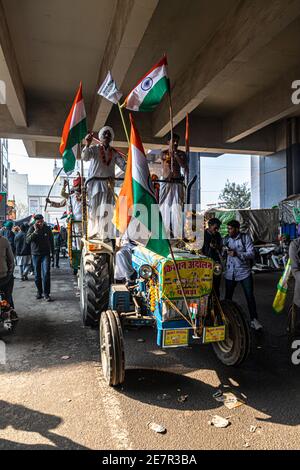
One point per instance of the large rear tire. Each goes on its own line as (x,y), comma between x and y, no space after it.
(112,348)
(94,283)
(236,347)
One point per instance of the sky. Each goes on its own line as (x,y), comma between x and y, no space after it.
(214,171)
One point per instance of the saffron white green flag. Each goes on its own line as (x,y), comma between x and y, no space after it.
(75,129)
(145,226)
(109,90)
(150,90)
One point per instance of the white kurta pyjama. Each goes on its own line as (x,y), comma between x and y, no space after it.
(171,200)
(100,193)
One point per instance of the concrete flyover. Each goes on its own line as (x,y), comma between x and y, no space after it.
(231,66)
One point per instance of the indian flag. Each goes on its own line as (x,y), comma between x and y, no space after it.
(75,129)
(137,211)
(150,90)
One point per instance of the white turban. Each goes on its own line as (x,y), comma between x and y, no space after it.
(104,129)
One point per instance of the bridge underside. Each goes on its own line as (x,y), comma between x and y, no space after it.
(231,66)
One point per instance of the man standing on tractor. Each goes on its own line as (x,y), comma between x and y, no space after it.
(73,202)
(100,182)
(171,197)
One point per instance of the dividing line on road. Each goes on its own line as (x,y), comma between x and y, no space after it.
(114,414)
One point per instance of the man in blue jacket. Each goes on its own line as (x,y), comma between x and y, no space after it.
(240,255)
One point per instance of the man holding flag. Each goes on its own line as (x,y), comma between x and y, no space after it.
(100,182)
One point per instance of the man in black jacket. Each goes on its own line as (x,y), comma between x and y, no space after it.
(212,248)
(23,258)
(40,238)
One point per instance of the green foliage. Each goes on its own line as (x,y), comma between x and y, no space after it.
(235,196)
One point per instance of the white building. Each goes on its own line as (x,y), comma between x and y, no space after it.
(31,199)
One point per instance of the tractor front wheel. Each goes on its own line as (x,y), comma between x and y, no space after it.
(235,348)
(94,281)
(112,348)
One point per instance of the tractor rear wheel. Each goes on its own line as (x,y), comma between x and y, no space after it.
(236,347)
(94,282)
(112,348)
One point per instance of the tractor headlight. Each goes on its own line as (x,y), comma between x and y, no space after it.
(218,269)
(146,272)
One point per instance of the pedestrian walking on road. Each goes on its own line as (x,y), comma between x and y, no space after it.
(8,233)
(57,245)
(7,265)
(240,254)
(23,255)
(41,241)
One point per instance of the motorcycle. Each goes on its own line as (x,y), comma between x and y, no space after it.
(8,316)
(273,257)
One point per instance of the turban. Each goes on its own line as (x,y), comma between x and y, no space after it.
(8,224)
(104,129)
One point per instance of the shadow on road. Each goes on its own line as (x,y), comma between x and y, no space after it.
(24,419)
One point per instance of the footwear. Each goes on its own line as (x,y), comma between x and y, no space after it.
(39,296)
(48,298)
(256,325)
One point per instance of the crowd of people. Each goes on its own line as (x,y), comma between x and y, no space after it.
(236,253)
(33,248)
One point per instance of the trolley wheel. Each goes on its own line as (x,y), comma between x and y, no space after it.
(112,348)
(236,347)
(94,281)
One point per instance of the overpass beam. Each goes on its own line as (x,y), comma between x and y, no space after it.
(248,28)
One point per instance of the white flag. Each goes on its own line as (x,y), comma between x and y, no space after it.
(109,90)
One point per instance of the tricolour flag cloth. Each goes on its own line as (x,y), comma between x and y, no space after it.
(75,129)
(109,90)
(137,212)
(150,90)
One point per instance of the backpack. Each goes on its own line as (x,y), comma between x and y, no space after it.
(243,240)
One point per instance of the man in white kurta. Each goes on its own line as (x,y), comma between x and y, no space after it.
(100,182)
(171,195)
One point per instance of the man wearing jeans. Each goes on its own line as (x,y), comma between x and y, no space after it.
(240,253)
(40,238)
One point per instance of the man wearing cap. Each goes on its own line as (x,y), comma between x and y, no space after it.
(8,233)
(100,191)
(171,196)
(40,238)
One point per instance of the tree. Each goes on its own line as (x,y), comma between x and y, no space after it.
(235,196)
(22,210)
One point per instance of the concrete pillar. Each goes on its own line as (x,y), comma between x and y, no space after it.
(293,156)
(195,169)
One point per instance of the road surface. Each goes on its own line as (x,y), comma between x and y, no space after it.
(52,395)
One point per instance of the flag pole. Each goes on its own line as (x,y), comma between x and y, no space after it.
(181,285)
(83,195)
(171,148)
(124,124)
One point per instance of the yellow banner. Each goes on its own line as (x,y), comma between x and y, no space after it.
(196,276)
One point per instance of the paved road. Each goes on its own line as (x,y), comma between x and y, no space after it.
(47,402)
